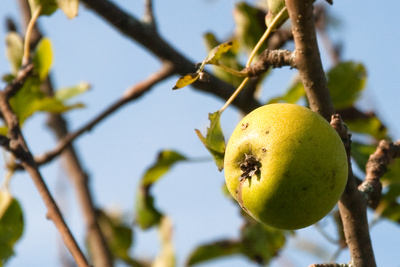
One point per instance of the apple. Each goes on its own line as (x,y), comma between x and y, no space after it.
(285,165)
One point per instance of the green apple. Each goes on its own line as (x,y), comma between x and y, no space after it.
(285,165)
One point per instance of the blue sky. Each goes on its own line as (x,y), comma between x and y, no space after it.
(117,152)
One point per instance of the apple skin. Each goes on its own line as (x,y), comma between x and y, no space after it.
(301,166)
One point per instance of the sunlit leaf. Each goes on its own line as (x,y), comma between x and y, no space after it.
(146,213)
(3,130)
(214,140)
(274,8)
(186,80)
(345,82)
(165,160)
(11,225)
(48,6)
(215,54)
(250,25)
(14,51)
(166,257)
(229,60)
(69,92)
(30,99)
(24,102)
(69,7)
(43,58)
(214,251)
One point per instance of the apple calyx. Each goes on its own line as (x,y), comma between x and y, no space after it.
(249,167)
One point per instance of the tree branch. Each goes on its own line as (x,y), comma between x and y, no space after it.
(376,167)
(152,41)
(100,253)
(353,209)
(307,57)
(270,58)
(352,205)
(23,74)
(19,149)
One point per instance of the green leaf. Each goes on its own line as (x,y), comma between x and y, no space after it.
(260,242)
(146,214)
(43,58)
(388,206)
(118,234)
(69,7)
(48,6)
(345,82)
(69,92)
(368,125)
(29,99)
(216,53)
(229,60)
(3,130)
(14,51)
(165,160)
(11,225)
(274,8)
(214,140)
(214,251)
(24,102)
(166,257)
(186,80)
(250,26)
(360,153)
(293,94)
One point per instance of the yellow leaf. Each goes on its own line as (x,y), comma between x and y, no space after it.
(186,80)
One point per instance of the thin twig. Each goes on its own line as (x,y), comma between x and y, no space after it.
(100,253)
(20,150)
(376,168)
(353,209)
(159,47)
(270,58)
(23,74)
(131,94)
(29,28)
(149,14)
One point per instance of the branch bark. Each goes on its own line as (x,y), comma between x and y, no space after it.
(100,252)
(148,37)
(18,147)
(307,57)
(352,205)
(353,209)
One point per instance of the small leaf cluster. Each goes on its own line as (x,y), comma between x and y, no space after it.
(30,99)
(48,7)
